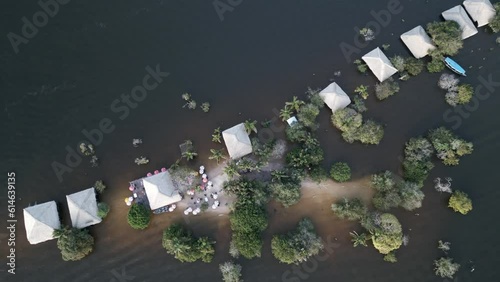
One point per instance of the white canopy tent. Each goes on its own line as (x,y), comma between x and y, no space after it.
(334,97)
(418,42)
(237,141)
(40,222)
(459,15)
(379,64)
(160,190)
(83,208)
(481,11)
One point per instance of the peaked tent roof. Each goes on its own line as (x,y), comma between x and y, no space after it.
(83,208)
(481,11)
(237,141)
(160,190)
(459,15)
(334,97)
(379,64)
(418,42)
(40,222)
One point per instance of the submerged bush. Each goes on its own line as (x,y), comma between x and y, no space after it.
(231,272)
(387,237)
(460,202)
(249,244)
(398,62)
(347,119)
(350,209)
(99,186)
(102,210)
(386,89)
(307,115)
(414,66)
(340,172)
(495,22)
(417,163)
(445,267)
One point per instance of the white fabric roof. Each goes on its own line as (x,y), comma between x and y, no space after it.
(40,222)
(237,141)
(160,190)
(334,97)
(459,15)
(291,121)
(418,42)
(83,208)
(379,64)
(480,11)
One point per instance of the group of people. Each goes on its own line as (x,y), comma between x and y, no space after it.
(205,185)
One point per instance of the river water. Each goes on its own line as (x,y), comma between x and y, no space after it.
(65,78)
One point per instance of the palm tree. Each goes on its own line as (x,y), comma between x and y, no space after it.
(250,126)
(216,155)
(362,90)
(294,104)
(278,175)
(189,154)
(358,239)
(231,170)
(285,113)
(216,135)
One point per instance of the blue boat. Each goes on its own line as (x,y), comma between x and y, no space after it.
(454,66)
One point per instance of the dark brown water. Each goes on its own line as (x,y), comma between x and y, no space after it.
(66,77)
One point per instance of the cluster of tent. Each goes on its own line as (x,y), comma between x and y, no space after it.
(41,220)
(419,43)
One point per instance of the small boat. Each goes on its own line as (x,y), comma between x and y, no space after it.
(454,66)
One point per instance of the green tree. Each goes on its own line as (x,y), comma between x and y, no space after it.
(358,239)
(387,236)
(286,191)
(340,172)
(347,119)
(411,195)
(74,243)
(370,132)
(180,243)
(205,107)
(249,244)
(295,104)
(138,216)
(350,209)
(449,147)
(250,126)
(447,36)
(413,66)
(307,115)
(460,202)
(216,155)
(445,267)
(297,245)
(248,217)
(102,210)
(495,21)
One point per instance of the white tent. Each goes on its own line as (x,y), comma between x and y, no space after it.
(40,222)
(379,64)
(160,190)
(459,15)
(237,141)
(83,208)
(418,42)
(334,97)
(481,11)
